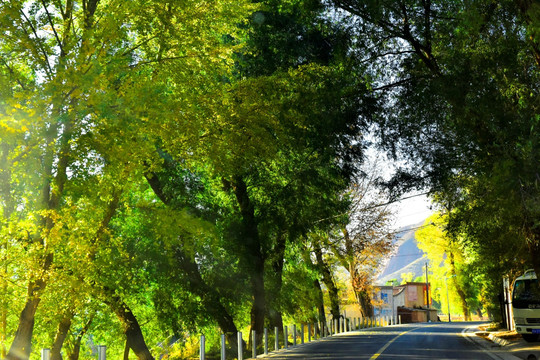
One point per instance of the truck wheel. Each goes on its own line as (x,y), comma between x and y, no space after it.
(530,337)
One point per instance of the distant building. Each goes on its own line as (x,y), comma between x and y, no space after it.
(383,299)
(408,300)
(412,294)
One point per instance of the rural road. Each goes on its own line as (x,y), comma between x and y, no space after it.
(411,341)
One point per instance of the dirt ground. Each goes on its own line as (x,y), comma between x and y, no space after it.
(507,335)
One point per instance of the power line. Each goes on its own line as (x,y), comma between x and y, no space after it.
(393,201)
(414,228)
(375,206)
(419,254)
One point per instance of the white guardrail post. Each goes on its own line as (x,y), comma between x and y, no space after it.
(202,348)
(222,346)
(102,352)
(240,346)
(254,344)
(276,332)
(45,354)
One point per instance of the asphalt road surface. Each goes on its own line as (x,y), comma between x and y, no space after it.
(407,342)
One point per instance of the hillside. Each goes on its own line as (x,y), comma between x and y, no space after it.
(406,258)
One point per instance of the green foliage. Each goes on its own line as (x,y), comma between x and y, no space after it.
(84,87)
(153,154)
(407,277)
(460,80)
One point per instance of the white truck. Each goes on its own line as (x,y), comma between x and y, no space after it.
(526,306)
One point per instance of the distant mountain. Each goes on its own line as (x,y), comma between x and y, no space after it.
(407,257)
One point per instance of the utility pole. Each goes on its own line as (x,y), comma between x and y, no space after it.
(427,293)
(447,298)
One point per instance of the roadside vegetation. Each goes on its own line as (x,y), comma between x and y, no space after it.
(175,168)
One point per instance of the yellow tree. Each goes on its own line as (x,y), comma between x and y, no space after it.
(448,263)
(91,81)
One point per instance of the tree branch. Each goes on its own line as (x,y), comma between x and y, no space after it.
(427,23)
(392,85)
(13,73)
(48,68)
(62,53)
(138,45)
(168,59)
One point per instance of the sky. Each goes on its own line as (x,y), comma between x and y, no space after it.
(412,211)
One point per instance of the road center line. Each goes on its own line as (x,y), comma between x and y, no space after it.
(381,350)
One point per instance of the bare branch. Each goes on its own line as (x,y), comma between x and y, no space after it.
(389,53)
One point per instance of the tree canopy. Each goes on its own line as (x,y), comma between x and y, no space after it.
(168,168)
(460,79)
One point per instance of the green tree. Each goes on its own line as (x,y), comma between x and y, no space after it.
(461,79)
(263,178)
(186,192)
(283,43)
(86,81)
(407,277)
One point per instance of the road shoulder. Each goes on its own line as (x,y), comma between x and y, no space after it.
(495,351)
(501,346)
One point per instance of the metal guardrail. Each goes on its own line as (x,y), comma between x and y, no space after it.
(331,328)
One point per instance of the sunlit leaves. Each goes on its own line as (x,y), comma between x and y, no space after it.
(83,91)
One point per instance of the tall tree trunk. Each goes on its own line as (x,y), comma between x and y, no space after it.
(50,200)
(61,334)
(126,351)
(358,283)
(276,320)
(274,294)
(320,304)
(480,313)
(208,294)
(132,329)
(210,298)
(317,287)
(255,257)
(328,280)
(258,309)
(7,203)
(361,289)
(463,300)
(74,355)
(22,344)
(364,301)
(459,289)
